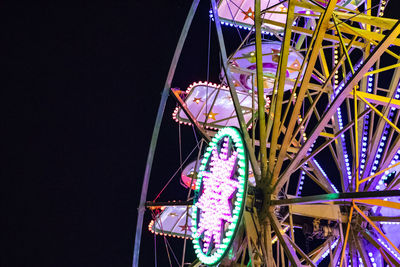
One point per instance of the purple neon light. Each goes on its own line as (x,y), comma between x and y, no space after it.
(218,188)
(301,183)
(302,175)
(389,248)
(364,143)
(326,176)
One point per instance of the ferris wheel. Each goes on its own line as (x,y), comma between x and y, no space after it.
(299,158)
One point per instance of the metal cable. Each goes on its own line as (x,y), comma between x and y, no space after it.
(173,254)
(343,21)
(180,146)
(166,248)
(155,249)
(234,22)
(173,176)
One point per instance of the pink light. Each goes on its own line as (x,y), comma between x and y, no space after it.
(188,90)
(214,201)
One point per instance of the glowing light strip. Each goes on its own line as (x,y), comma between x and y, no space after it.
(340,121)
(301,182)
(200,83)
(372,259)
(236,24)
(326,253)
(381,183)
(382,143)
(205,174)
(189,89)
(166,233)
(326,176)
(393,252)
(302,174)
(275,238)
(360,262)
(364,143)
(390,222)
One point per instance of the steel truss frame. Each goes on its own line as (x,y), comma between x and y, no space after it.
(285,141)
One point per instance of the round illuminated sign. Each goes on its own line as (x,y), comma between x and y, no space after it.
(219,196)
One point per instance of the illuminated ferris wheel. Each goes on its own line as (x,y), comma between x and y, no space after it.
(299,161)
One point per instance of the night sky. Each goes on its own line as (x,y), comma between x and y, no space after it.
(80,89)
(81,85)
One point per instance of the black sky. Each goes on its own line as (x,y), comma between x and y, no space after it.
(81,85)
(80,88)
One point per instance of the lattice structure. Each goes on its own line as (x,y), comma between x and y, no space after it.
(315,90)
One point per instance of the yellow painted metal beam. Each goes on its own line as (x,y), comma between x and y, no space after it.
(385,23)
(370,35)
(327,37)
(357,176)
(343,46)
(260,89)
(383,69)
(324,88)
(347,235)
(376,228)
(365,34)
(329,135)
(283,60)
(317,40)
(284,240)
(379,100)
(378,112)
(378,173)
(379,202)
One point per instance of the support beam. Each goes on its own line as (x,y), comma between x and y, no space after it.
(373,240)
(302,254)
(317,253)
(380,203)
(151,204)
(352,82)
(235,99)
(379,173)
(316,46)
(361,250)
(336,197)
(284,240)
(377,228)
(190,116)
(379,113)
(300,30)
(260,89)
(336,254)
(385,218)
(327,142)
(378,100)
(281,74)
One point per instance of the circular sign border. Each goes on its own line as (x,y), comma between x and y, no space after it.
(241,193)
